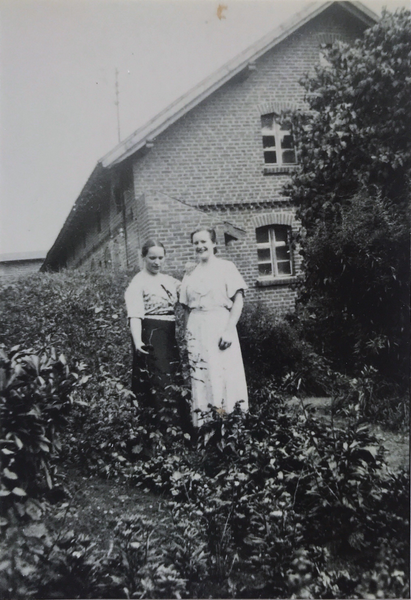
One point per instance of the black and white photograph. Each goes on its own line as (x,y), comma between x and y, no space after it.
(205,299)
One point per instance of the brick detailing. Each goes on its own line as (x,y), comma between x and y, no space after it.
(280,218)
(278,107)
(328,38)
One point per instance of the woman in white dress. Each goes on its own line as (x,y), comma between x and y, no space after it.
(212,294)
(150,299)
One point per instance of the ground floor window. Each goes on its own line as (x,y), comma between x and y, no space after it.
(274,251)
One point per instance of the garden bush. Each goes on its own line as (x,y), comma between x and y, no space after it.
(351,192)
(269,503)
(276,501)
(80,314)
(35,397)
(274,351)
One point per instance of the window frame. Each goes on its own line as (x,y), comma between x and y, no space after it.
(272,244)
(278,132)
(325,47)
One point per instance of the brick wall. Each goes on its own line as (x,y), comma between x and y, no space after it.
(108,234)
(172,221)
(214,153)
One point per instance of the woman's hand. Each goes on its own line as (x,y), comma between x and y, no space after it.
(230,331)
(226,340)
(135,326)
(140,347)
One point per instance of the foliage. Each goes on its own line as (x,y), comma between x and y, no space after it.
(102,426)
(269,503)
(352,197)
(259,489)
(34,401)
(80,314)
(369,396)
(262,504)
(273,351)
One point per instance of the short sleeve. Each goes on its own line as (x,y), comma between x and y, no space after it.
(135,300)
(234,281)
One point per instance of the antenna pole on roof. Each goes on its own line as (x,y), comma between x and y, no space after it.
(117,103)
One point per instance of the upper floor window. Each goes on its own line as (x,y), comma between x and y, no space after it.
(324,50)
(278,141)
(98,222)
(274,251)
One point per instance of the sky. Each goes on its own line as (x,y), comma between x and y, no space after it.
(58,60)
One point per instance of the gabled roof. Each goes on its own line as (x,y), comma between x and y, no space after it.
(205,88)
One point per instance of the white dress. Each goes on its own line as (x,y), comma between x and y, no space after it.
(217,376)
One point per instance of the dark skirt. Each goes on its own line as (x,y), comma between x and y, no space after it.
(153,372)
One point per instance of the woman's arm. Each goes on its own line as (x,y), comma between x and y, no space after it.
(186,313)
(235,313)
(135,327)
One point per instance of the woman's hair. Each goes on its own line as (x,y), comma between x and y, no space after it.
(150,244)
(211,233)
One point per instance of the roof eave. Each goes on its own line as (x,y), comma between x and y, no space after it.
(78,205)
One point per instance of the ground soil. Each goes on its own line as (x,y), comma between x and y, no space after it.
(96,505)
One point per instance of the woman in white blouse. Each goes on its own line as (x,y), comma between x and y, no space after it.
(213,296)
(150,299)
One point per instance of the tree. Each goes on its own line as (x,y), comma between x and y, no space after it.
(351,193)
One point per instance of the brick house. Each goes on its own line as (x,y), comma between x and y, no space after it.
(215,157)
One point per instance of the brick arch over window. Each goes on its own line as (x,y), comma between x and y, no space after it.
(280,218)
(276,107)
(328,38)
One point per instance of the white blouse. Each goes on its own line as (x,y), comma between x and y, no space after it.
(211,288)
(151,295)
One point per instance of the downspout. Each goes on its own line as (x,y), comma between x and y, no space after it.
(123,211)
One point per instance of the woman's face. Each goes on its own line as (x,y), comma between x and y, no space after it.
(154,259)
(203,245)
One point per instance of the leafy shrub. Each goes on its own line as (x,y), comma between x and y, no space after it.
(369,396)
(270,503)
(102,426)
(80,314)
(352,197)
(34,402)
(257,487)
(273,350)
